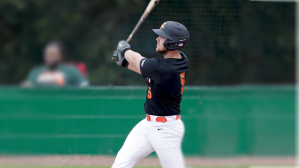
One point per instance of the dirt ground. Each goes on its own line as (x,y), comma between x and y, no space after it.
(149,161)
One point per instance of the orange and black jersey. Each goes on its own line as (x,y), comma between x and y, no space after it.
(166,80)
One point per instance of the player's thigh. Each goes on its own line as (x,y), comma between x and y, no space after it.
(165,135)
(135,147)
(166,140)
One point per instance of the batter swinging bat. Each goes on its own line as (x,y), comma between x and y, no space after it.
(152,4)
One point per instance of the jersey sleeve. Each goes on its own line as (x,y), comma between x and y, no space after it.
(150,67)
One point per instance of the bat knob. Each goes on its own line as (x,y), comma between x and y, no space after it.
(115,59)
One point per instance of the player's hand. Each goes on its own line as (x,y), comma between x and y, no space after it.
(122,47)
(121,59)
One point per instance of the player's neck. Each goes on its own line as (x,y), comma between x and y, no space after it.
(172,54)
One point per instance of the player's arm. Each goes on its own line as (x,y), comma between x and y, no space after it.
(149,68)
(133,59)
(126,57)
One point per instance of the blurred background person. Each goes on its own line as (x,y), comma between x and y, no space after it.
(55,72)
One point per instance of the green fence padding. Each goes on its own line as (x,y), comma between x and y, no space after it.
(224,121)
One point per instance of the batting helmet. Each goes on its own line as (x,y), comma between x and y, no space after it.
(177,35)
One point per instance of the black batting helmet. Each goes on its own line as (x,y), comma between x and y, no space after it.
(177,35)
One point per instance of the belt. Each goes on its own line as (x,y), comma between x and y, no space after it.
(160,119)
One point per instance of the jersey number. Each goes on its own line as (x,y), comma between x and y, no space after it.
(183,78)
(149,93)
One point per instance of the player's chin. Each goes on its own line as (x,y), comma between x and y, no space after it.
(158,48)
(161,51)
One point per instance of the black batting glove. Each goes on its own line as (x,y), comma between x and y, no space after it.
(121,59)
(122,47)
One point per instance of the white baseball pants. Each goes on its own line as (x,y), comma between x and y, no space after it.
(147,136)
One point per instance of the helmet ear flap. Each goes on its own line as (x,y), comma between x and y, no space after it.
(166,45)
(171,45)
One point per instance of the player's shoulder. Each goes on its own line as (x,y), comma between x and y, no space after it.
(154,63)
(154,60)
(160,61)
(184,57)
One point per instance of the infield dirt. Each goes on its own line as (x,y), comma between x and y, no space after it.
(88,160)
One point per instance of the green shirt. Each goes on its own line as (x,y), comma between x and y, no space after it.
(63,75)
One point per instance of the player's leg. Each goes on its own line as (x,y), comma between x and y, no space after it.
(135,147)
(166,140)
(171,157)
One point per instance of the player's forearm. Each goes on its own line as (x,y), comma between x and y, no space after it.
(134,59)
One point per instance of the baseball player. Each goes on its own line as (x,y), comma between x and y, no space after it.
(162,130)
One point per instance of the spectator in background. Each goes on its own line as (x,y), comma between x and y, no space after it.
(55,72)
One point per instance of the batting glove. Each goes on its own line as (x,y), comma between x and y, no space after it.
(121,59)
(123,46)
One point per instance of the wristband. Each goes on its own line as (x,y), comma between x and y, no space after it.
(125,63)
(124,51)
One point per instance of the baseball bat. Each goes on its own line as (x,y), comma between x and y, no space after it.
(152,4)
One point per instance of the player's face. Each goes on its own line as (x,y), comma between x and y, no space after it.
(160,47)
(52,55)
